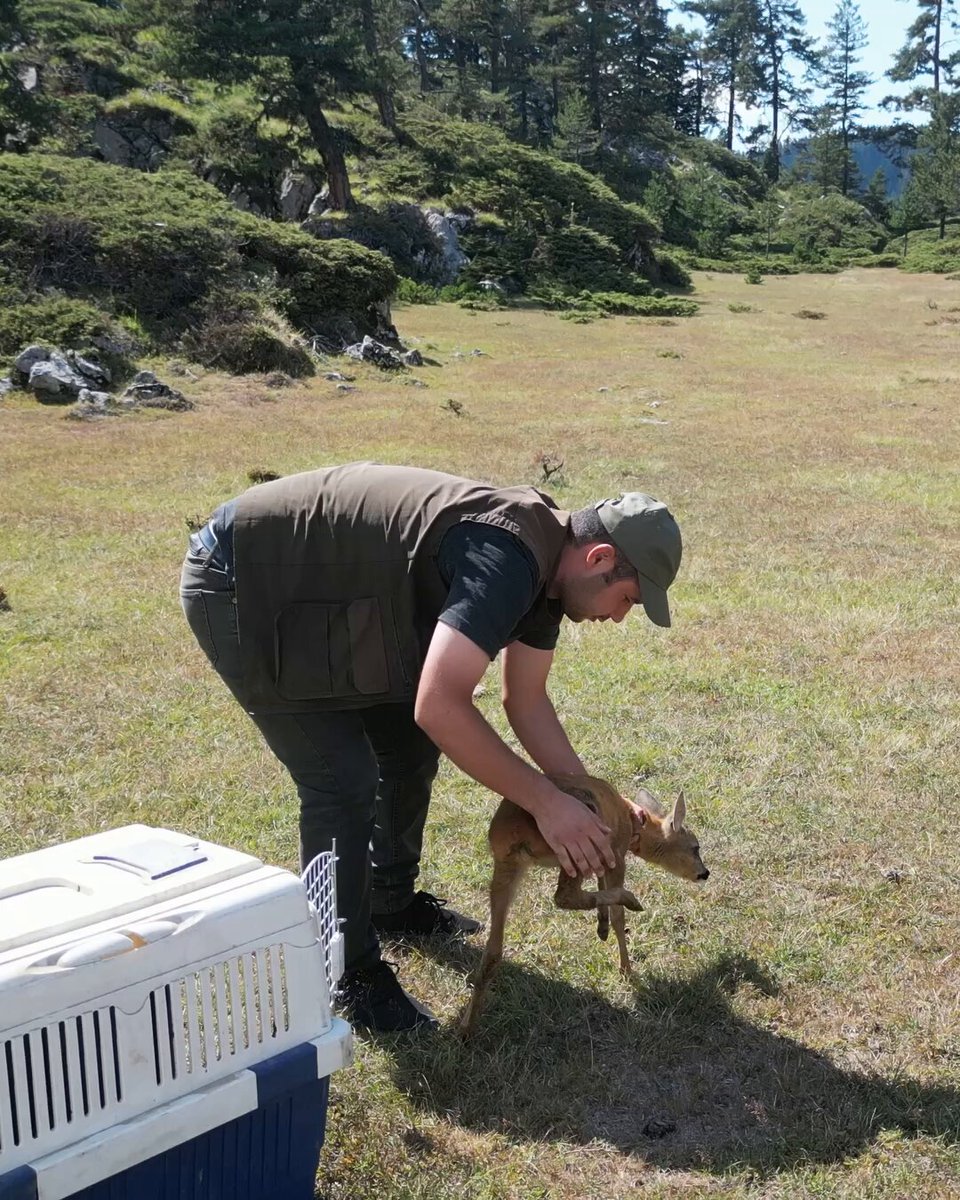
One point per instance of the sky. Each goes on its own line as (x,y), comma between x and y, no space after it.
(886,24)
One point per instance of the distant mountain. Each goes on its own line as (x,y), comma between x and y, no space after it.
(870,158)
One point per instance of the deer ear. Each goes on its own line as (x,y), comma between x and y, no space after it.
(648,801)
(679,814)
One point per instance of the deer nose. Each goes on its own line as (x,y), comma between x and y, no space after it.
(704,874)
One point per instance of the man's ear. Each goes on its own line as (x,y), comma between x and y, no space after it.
(602,554)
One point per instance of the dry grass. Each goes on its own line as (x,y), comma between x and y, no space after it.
(793,1029)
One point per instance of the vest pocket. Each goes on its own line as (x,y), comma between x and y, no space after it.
(326,651)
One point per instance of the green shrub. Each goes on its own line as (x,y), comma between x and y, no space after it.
(53,321)
(671,272)
(157,247)
(875,260)
(753,276)
(613,303)
(927,251)
(622,304)
(410,292)
(240,347)
(816,225)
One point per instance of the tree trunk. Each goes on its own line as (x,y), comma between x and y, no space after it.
(775,121)
(381,93)
(731,108)
(943,225)
(936,49)
(324,139)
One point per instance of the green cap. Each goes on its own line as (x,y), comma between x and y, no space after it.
(645,532)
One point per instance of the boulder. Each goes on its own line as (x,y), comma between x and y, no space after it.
(6,385)
(23,363)
(89,370)
(297,193)
(147,391)
(451,259)
(55,379)
(375,352)
(412,358)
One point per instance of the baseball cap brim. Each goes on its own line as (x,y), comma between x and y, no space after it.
(654,601)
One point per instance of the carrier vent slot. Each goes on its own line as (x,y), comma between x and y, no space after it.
(218,1012)
(58,1075)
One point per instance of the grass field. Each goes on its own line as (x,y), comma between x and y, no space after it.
(793,1029)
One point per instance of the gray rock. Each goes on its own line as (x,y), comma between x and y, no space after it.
(138,139)
(412,358)
(26,358)
(452,258)
(6,385)
(92,404)
(297,193)
(491,285)
(375,352)
(55,379)
(151,393)
(89,370)
(99,399)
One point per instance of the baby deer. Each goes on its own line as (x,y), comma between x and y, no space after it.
(517,844)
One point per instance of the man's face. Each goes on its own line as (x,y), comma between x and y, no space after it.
(593,595)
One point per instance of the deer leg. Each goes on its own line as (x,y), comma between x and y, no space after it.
(570,894)
(603,921)
(620,929)
(506,878)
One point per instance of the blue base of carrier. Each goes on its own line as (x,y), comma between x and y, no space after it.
(269,1152)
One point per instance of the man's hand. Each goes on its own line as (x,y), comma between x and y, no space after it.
(577,836)
(638,815)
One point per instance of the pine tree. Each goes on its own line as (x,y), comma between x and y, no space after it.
(575,138)
(782,38)
(844,84)
(731,43)
(295,55)
(935,176)
(922,54)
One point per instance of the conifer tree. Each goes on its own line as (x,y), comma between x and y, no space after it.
(295,54)
(935,168)
(783,40)
(731,44)
(923,56)
(843,82)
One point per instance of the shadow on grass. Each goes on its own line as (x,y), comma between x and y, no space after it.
(681,1080)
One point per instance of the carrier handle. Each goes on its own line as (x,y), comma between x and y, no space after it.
(110,945)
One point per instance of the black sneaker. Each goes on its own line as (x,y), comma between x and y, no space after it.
(372,998)
(425,916)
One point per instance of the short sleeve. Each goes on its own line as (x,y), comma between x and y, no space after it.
(492,581)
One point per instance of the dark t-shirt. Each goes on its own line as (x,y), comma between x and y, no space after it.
(492,578)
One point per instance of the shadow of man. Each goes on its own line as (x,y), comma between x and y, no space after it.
(682,1080)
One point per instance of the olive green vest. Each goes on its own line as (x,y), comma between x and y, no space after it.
(338,589)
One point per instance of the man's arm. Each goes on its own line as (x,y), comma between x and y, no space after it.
(445,711)
(531,713)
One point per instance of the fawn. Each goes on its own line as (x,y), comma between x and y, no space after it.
(517,844)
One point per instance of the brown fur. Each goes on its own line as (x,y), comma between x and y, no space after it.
(517,844)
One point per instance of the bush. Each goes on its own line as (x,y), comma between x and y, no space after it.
(157,247)
(54,321)
(410,292)
(671,272)
(927,251)
(236,335)
(613,303)
(828,227)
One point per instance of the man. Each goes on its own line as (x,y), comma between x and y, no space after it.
(352,611)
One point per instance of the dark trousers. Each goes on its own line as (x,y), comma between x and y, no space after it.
(363,775)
